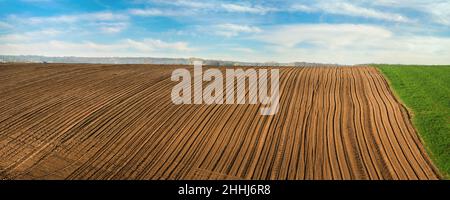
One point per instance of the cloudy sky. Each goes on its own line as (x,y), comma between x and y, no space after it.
(338,31)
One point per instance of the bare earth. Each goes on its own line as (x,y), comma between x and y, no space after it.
(67,121)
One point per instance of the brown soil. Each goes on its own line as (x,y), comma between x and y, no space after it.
(67,121)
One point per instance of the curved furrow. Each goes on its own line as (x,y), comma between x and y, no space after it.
(287,155)
(384,132)
(56,141)
(262,160)
(276,143)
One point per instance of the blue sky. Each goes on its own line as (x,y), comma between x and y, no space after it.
(340,31)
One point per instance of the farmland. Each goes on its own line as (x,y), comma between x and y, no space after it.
(425,91)
(79,121)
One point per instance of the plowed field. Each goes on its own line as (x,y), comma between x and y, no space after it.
(67,121)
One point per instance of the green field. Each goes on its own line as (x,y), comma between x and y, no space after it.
(425,90)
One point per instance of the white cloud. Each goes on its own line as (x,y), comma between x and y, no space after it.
(230,30)
(151,12)
(350,9)
(352,44)
(437,10)
(44,34)
(90,17)
(189,4)
(112,27)
(52,20)
(240,8)
(321,34)
(343,8)
(303,8)
(107,22)
(215,6)
(147,12)
(152,44)
(338,7)
(4,25)
(126,47)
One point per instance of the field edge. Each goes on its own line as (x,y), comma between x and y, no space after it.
(440,171)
